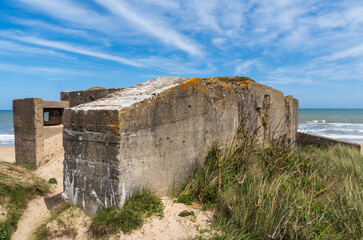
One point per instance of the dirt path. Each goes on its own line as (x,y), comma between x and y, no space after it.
(38,209)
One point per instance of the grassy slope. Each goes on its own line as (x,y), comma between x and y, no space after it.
(17,186)
(281,192)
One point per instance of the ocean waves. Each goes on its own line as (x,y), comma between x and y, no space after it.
(344,131)
(6,139)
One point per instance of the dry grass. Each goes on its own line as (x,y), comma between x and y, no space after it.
(280,191)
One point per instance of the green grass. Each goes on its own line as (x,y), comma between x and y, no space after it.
(185,199)
(186,213)
(110,220)
(17,186)
(282,192)
(53,181)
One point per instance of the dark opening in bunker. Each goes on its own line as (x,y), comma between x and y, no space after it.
(52,116)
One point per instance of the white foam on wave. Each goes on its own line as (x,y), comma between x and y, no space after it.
(342,131)
(318,121)
(6,137)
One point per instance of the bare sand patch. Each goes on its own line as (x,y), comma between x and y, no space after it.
(7,154)
(73,223)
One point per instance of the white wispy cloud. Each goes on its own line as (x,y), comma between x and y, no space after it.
(244,67)
(151,26)
(356,51)
(9,47)
(71,12)
(38,24)
(77,49)
(44,70)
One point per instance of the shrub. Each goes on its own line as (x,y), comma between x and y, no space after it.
(141,204)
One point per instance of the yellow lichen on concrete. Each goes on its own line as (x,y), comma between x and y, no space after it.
(202,86)
(185,85)
(224,86)
(112,124)
(211,79)
(231,90)
(245,84)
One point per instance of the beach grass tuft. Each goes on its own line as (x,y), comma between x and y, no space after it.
(110,220)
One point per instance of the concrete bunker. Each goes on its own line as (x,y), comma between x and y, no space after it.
(156,133)
(38,125)
(38,130)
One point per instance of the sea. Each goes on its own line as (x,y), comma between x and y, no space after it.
(342,124)
(6,128)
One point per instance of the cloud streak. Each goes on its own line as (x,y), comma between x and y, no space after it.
(151,26)
(71,12)
(76,49)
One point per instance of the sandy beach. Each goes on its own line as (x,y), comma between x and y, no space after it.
(7,154)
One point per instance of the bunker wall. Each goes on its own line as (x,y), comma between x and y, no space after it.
(79,97)
(158,142)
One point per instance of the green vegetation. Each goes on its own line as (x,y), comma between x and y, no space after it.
(186,213)
(280,191)
(186,199)
(17,186)
(110,220)
(234,79)
(53,181)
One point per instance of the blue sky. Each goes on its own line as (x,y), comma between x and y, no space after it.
(310,49)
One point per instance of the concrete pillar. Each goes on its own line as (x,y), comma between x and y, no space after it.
(34,142)
(28,130)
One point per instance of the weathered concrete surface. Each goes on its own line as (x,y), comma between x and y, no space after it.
(28,130)
(55,104)
(156,133)
(34,143)
(305,139)
(79,97)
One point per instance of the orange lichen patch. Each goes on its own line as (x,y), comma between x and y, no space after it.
(185,85)
(203,88)
(211,79)
(112,124)
(164,98)
(231,90)
(245,84)
(122,112)
(224,86)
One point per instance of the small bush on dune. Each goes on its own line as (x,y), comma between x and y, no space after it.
(281,191)
(110,220)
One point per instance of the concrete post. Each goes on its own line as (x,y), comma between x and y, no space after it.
(28,130)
